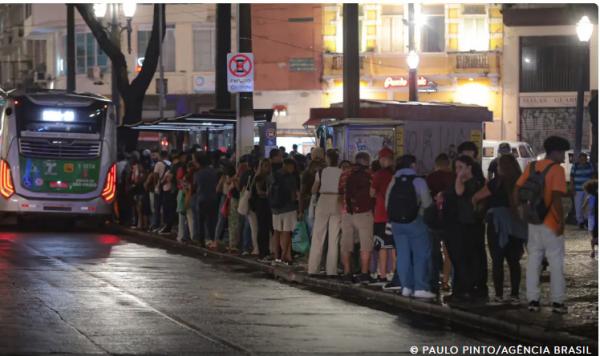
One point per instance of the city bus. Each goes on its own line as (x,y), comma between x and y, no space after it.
(57,155)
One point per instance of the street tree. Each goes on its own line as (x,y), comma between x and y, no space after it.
(132,92)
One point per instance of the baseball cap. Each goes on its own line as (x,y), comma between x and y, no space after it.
(385,152)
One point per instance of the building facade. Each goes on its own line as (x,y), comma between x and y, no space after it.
(541,64)
(460,49)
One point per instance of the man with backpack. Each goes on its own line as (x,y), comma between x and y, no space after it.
(539,193)
(354,187)
(406,199)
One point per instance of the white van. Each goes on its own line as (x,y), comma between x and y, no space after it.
(521,150)
(568,161)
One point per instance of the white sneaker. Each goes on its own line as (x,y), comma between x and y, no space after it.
(406,292)
(424,294)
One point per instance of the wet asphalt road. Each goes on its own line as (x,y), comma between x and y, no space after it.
(96,293)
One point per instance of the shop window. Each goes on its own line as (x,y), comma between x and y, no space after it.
(433,30)
(168,46)
(474,30)
(551,64)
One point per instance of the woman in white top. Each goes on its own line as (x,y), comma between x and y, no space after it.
(327,217)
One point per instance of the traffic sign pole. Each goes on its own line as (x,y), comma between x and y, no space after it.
(243,73)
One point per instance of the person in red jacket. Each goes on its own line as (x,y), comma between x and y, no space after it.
(384,243)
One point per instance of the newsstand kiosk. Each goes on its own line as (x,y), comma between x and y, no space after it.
(422,129)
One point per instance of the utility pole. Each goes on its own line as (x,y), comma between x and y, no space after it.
(161,68)
(351,61)
(412,72)
(244,106)
(223,30)
(70,47)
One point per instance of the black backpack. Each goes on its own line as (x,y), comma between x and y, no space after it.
(278,194)
(403,206)
(532,207)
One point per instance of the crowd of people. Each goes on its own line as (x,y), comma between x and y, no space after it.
(375,222)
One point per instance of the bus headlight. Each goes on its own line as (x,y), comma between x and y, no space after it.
(110,185)
(7,189)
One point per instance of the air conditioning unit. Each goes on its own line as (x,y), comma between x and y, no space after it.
(94,73)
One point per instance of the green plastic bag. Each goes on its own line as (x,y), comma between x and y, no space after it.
(300,241)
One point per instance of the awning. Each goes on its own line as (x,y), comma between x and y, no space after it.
(211,120)
(402,110)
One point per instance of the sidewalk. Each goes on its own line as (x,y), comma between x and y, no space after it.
(578,327)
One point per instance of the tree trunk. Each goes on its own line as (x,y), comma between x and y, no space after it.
(132,93)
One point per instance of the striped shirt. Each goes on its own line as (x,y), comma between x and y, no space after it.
(581,174)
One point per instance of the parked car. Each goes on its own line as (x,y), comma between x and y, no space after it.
(568,161)
(521,150)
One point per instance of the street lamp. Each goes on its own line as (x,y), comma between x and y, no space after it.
(584,33)
(128,8)
(413,62)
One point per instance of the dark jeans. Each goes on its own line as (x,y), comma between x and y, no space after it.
(466,247)
(437,260)
(265,225)
(158,203)
(512,252)
(205,215)
(169,204)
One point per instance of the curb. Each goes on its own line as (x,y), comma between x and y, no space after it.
(519,332)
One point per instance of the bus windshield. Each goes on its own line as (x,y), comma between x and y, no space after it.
(47,118)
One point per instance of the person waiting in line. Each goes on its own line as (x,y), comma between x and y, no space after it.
(406,199)
(465,237)
(384,243)
(307,180)
(503,149)
(354,187)
(327,217)
(591,189)
(581,172)
(506,233)
(440,180)
(283,198)
(259,204)
(469,148)
(546,222)
(204,199)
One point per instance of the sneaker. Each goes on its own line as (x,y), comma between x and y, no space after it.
(496,301)
(363,278)
(276,262)
(266,260)
(424,294)
(456,298)
(534,306)
(391,287)
(165,232)
(347,278)
(389,276)
(407,292)
(245,253)
(379,282)
(515,301)
(559,308)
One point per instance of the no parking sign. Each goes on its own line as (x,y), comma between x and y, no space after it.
(240,72)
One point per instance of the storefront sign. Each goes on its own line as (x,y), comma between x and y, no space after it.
(550,100)
(423,84)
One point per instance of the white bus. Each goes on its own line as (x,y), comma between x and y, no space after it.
(57,154)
